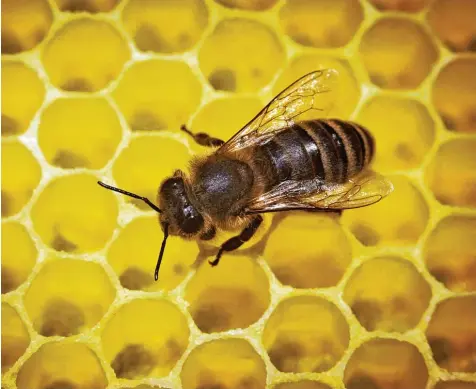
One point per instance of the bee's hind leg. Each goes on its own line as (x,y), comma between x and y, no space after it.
(202,138)
(235,242)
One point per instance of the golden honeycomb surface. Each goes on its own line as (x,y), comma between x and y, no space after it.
(382,298)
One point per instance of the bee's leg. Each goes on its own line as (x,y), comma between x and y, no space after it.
(235,242)
(203,139)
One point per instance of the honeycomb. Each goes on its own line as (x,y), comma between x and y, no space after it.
(380,298)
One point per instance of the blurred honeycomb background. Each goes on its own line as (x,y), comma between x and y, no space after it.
(382,298)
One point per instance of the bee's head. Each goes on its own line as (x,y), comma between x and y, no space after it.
(178,212)
(178,216)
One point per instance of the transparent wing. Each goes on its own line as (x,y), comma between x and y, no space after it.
(298,98)
(365,189)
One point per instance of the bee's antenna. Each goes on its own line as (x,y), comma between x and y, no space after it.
(122,191)
(159,261)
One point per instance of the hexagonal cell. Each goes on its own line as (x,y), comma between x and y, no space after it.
(411,6)
(165,26)
(386,364)
(455,385)
(147,160)
(451,175)
(74,214)
(450,253)
(241,55)
(403,129)
(68,296)
(303,384)
(301,265)
(85,55)
(224,363)
(344,94)
(25,23)
(321,23)
(387,294)
(62,364)
(251,5)
(15,337)
(224,117)
(19,183)
(23,93)
(157,94)
(18,255)
(79,132)
(453,22)
(133,255)
(453,341)
(399,219)
(220,301)
(145,338)
(305,334)
(454,95)
(397,53)
(93,6)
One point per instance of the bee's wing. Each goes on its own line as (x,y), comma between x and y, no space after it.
(367,188)
(279,113)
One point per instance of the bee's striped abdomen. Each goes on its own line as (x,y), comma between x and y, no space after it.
(346,147)
(330,150)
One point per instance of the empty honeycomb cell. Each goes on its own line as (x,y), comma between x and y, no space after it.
(224,117)
(386,364)
(403,129)
(398,219)
(79,132)
(450,253)
(305,334)
(387,294)
(453,22)
(220,301)
(451,334)
(304,384)
(251,5)
(23,93)
(452,173)
(62,364)
(147,160)
(18,255)
(21,174)
(165,26)
(397,53)
(15,337)
(321,23)
(344,92)
(303,265)
(85,55)
(157,94)
(145,337)
(133,255)
(74,214)
(73,305)
(241,55)
(25,23)
(226,363)
(411,6)
(455,385)
(92,6)
(454,95)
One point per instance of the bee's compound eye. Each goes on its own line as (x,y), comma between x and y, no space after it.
(192,222)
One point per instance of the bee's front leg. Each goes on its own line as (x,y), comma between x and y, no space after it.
(202,138)
(235,242)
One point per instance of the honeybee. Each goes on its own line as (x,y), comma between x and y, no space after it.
(274,163)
